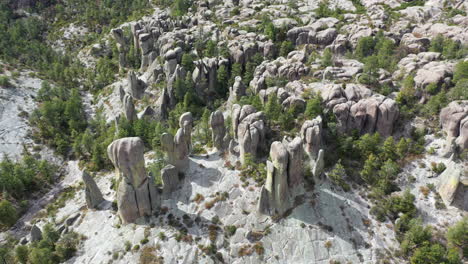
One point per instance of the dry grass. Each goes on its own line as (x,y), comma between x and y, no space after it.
(198,198)
(328,244)
(424,190)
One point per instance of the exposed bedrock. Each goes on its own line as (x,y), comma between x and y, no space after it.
(134,190)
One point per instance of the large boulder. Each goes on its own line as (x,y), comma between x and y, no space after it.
(311,134)
(178,148)
(92,193)
(133,192)
(453,186)
(218,129)
(454,121)
(249,130)
(170,179)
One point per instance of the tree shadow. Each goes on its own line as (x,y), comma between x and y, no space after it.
(336,213)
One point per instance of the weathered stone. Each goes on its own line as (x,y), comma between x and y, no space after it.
(319,165)
(136,87)
(280,192)
(178,148)
(218,130)
(122,46)
(133,197)
(170,179)
(311,134)
(36,234)
(92,193)
(237,90)
(451,183)
(295,166)
(454,121)
(129,108)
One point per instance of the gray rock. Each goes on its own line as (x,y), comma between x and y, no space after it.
(148,113)
(122,46)
(36,233)
(218,130)
(319,165)
(170,179)
(136,87)
(178,148)
(295,166)
(92,193)
(133,197)
(454,121)
(72,219)
(237,90)
(311,134)
(452,183)
(129,108)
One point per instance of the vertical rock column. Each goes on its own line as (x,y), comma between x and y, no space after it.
(92,193)
(122,46)
(218,130)
(284,176)
(134,191)
(178,148)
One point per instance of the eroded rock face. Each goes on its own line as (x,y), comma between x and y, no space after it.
(454,121)
(249,130)
(133,193)
(136,87)
(311,134)
(178,148)
(93,194)
(237,90)
(453,185)
(170,179)
(129,108)
(284,177)
(122,46)
(218,130)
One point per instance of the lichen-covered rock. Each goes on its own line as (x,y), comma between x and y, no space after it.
(453,183)
(92,193)
(133,195)
(218,130)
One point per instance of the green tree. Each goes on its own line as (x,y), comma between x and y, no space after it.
(388,149)
(337,175)
(460,91)
(179,89)
(370,169)
(327,58)
(235,71)
(187,62)
(272,108)
(40,256)
(457,235)
(428,254)
(21,254)
(461,71)
(313,108)
(223,79)
(8,214)
(364,47)
(286,47)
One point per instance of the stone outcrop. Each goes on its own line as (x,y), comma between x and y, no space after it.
(170,179)
(237,90)
(134,189)
(129,108)
(318,166)
(433,72)
(284,177)
(136,86)
(249,130)
(454,121)
(122,46)
(311,134)
(357,108)
(36,233)
(178,148)
(218,130)
(453,186)
(93,194)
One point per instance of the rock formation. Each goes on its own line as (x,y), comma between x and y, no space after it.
(454,121)
(178,148)
(237,90)
(36,233)
(134,189)
(129,108)
(92,193)
(218,130)
(170,179)
(284,177)
(136,87)
(122,46)
(453,186)
(249,130)
(311,134)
